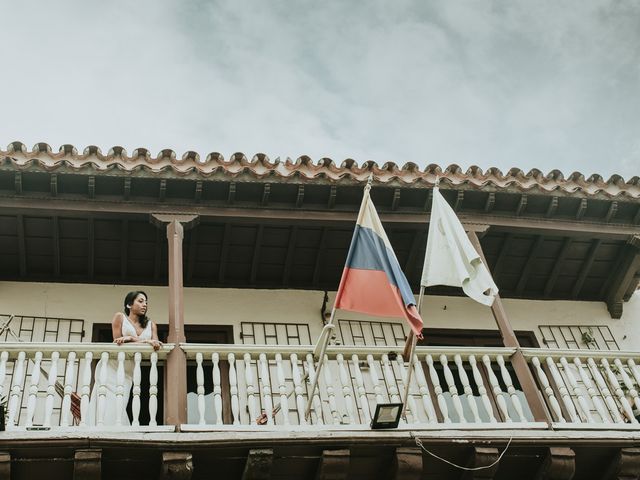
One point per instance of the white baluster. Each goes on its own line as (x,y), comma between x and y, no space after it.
(593,394)
(120,406)
(477,377)
(345,381)
(455,399)
(4,356)
(86,388)
(233,389)
(362,393)
(153,390)
(634,370)
(69,376)
(254,414)
(442,403)
(328,380)
(200,388)
(585,412)
(51,389)
(137,378)
(498,394)
(375,379)
(564,392)
(424,391)
(506,378)
(604,389)
(102,388)
(266,388)
(16,389)
(297,388)
(546,386)
(217,388)
(411,402)
(613,381)
(282,388)
(33,389)
(628,383)
(317,404)
(466,386)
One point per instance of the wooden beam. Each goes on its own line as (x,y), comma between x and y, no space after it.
(255,261)
(91,186)
(636,217)
(87,464)
(531,261)
(17,182)
(127,188)
(99,208)
(5,465)
(54,185)
(266,191)
(559,464)
(300,196)
(557,267)
(291,248)
(231,197)
(582,209)
(407,464)
(623,277)
(428,202)
(333,465)
(319,257)
(162,194)
(396,199)
(176,466)
(482,457)
(522,205)
(490,202)
(585,268)
(90,248)
(625,465)
(259,463)
(197,197)
(22,246)
(457,206)
(55,237)
(506,246)
(611,212)
(224,252)
(158,255)
(412,259)
(553,207)
(124,249)
(332,197)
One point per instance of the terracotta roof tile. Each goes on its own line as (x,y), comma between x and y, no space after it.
(41,156)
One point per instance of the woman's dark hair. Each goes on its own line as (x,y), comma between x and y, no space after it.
(129,299)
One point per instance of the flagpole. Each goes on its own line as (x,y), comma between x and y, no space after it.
(414,341)
(325,337)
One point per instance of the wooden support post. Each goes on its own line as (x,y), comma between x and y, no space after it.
(559,464)
(87,464)
(175,391)
(334,465)
(407,464)
(5,465)
(518,362)
(625,465)
(258,466)
(482,457)
(176,466)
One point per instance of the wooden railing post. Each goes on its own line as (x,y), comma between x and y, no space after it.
(175,390)
(518,361)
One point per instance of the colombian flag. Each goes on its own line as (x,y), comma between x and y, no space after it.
(372,281)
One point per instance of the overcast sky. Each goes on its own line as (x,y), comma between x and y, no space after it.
(544,84)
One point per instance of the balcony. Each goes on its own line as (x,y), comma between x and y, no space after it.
(266,388)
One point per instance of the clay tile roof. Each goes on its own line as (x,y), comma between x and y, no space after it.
(348,172)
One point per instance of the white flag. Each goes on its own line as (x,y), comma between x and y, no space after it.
(451,259)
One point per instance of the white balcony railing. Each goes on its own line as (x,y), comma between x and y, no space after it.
(48,385)
(465,387)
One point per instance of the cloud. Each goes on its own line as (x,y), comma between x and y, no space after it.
(529,84)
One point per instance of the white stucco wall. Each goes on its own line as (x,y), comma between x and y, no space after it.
(98,303)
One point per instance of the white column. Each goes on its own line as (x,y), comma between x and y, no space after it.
(86,388)
(282,389)
(482,390)
(137,377)
(297,388)
(468,391)
(585,413)
(345,381)
(200,388)
(51,389)
(424,391)
(69,376)
(317,404)
(442,403)
(453,391)
(153,390)
(120,406)
(233,389)
(506,378)
(498,394)
(593,394)
(564,392)
(102,388)
(33,389)
(266,388)
(362,393)
(217,388)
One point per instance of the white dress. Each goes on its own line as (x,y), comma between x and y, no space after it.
(110,404)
